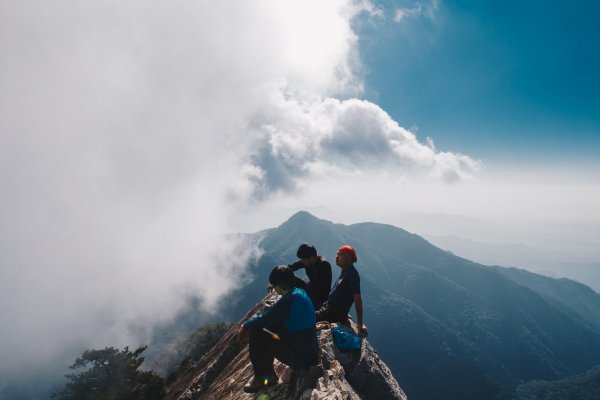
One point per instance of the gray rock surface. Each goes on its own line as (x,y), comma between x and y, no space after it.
(226,368)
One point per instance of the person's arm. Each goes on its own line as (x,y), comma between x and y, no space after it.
(362,329)
(299,283)
(277,313)
(354,286)
(296,266)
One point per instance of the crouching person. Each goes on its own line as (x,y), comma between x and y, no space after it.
(286,331)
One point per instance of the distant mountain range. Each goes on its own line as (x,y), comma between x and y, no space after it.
(534,259)
(447,327)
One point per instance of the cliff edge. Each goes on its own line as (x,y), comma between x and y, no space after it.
(223,371)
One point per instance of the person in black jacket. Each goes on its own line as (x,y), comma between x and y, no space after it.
(318,271)
(291,336)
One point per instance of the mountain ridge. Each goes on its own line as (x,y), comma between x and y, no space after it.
(222,372)
(470,317)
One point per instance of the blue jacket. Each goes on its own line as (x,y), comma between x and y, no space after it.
(295,312)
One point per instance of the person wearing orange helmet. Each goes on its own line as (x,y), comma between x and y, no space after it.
(345,291)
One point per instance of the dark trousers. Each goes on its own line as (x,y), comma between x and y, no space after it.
(330,313)
(263,350)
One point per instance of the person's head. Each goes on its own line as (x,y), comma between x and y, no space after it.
(282,279)
(308,254)
(345,257)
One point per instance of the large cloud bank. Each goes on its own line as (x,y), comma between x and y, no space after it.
(131,131)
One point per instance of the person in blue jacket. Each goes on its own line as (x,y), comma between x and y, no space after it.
(285,331)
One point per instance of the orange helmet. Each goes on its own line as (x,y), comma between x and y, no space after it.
(348,250)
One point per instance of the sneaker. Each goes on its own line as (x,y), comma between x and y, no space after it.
(259,382)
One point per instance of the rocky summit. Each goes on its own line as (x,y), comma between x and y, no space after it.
(223,371)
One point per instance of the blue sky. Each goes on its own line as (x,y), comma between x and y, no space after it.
(502,81)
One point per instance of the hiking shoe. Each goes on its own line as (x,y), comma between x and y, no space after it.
(259,382)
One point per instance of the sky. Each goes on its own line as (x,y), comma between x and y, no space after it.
(500,80)
(136,137)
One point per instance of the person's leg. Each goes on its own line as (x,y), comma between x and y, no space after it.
(317,302)
(326,313)
(322,312)
(261,352)
(330,314)
(282,353)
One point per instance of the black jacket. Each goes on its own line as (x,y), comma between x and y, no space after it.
(319,284)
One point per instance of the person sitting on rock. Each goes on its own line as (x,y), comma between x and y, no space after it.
(345,291)
(291,336)
(318,271)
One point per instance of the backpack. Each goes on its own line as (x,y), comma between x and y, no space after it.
(345,340)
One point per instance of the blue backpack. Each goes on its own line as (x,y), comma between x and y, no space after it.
(345,340)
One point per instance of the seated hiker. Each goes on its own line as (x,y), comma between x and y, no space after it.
(286,331)
(318,271)
(345,291)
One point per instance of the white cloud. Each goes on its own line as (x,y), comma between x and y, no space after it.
(302,138)
(418,10)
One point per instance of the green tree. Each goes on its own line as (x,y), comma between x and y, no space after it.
(111,375)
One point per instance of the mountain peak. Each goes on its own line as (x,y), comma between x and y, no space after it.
(301,217)
(223,371)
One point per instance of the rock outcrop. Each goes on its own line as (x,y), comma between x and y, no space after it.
(225,369)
